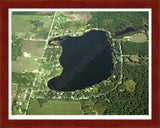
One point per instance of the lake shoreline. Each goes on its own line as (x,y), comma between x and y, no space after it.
(108,45)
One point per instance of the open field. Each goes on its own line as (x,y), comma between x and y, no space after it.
(31,51)
(34,48)
(22,64)
(54,107)
(138,38)
(78,16)
(21,23)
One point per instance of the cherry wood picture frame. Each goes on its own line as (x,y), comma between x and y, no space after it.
(4,50)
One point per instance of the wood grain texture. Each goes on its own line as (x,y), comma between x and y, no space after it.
(6,4)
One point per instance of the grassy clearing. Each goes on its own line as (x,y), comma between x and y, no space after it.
(134,58)
(139,37)
(130,85)
(129,62)
(54,107)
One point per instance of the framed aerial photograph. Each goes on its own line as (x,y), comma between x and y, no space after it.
(80,63)
(88,64)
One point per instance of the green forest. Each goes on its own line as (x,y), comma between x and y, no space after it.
(122,101)
(116,22)
(131,48)
(131,103)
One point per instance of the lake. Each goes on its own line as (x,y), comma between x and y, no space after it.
(86,60)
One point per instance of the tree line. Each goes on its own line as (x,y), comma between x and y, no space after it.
(16,47)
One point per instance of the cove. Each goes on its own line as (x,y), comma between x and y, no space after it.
(129,29)
(86,60)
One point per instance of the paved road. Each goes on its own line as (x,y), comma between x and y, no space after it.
(120,47)
(41,57)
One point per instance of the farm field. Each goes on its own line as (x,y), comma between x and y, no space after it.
(24,65)
(54,107)
(21,23)
(23,26)
(34,48)
(31,53)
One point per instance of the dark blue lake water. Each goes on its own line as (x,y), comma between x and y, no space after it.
(86,60)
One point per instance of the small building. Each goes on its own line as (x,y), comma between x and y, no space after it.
(91,88)
(46,16)
(72,97)
(27,55)
(127,38)
(20,110)
(20,103)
